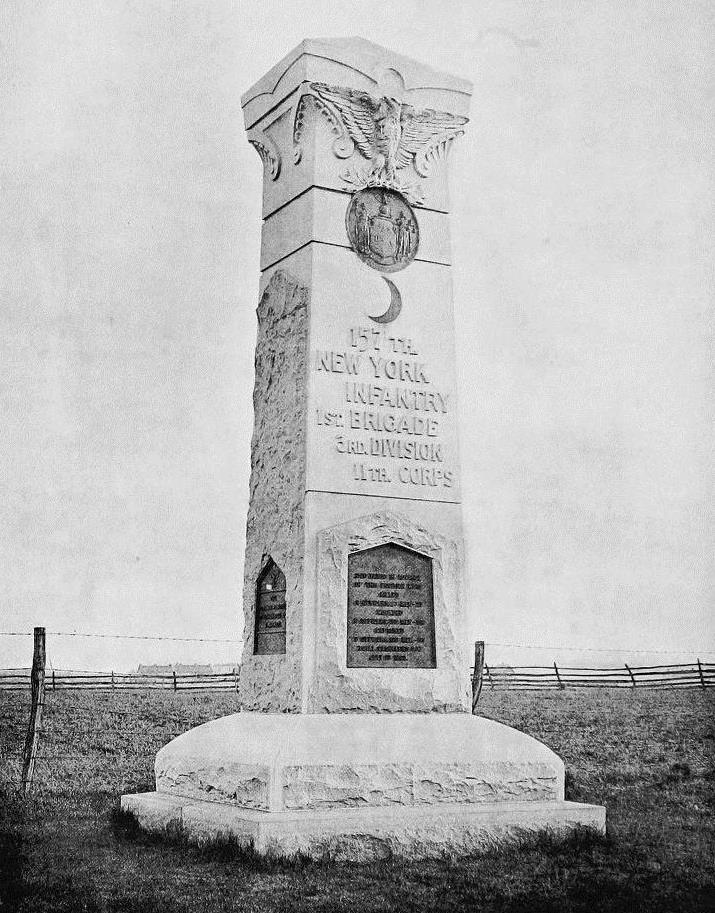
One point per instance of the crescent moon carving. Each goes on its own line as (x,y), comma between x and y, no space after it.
(395,306)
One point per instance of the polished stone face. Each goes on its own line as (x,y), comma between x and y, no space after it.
(382,400)
(390,609)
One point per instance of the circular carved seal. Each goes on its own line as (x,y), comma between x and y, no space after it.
(382,229)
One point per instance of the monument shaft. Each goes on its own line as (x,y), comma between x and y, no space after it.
(355,398)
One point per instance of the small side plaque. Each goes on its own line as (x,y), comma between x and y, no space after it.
(390,609)
(271,611)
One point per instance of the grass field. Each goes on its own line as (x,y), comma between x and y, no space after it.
(647,755)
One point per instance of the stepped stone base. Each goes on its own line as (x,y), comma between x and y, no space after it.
(359,786)
(359,835)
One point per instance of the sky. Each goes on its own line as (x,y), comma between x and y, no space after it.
(129,242)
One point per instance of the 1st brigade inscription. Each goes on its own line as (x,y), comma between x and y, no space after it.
(270,634)
(390,609)
(381,412)
(382,229)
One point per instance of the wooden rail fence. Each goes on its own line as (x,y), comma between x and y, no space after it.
(537,678)
(522,678)
(19,680)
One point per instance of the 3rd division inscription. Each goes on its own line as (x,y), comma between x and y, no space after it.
(390,609)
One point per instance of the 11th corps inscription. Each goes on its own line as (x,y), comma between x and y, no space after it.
(387,416)
(390,609)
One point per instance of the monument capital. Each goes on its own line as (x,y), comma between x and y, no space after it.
(344,114)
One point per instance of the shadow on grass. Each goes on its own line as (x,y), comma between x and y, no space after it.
(12,855)
(582,872)
(586,872)
(227,848)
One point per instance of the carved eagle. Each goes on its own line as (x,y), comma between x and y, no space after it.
(392,135)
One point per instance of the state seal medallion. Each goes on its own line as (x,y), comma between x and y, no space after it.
(382,229)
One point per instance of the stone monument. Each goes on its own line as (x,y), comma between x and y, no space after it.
(356,735)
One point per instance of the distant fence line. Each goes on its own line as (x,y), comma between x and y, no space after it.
(537,678)
(513,678)
(16,680)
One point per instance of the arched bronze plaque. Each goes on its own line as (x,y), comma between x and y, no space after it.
(390,609)
(270,631)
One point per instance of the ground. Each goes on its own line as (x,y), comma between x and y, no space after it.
(648,756)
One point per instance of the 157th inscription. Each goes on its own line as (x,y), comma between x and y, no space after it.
(385,414)
(390,609)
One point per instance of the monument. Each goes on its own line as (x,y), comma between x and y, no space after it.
(356,735)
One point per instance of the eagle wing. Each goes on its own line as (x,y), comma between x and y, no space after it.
(425,129)
(357,111)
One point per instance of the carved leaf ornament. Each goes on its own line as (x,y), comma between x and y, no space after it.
(389,134)
(270,156)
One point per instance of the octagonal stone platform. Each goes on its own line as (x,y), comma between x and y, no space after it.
(359,786)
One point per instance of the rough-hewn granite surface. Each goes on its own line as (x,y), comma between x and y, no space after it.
(309,762)
(321,786)
(359,786)
(363,834)
(245,785)
(275,525)
(362,785)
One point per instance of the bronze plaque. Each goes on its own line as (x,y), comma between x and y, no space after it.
(382,229)
(390,609)
(270,636)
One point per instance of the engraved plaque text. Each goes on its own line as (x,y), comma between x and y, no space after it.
(390,609)
(270,634)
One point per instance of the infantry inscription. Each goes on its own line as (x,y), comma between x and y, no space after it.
(390,609)
(380,411)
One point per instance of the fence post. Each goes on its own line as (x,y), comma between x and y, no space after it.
(53,679)
(558,677)
(173,672)
(37,681)
(633,678)
(477,677)
(235,677)
(702,677)
(112,678)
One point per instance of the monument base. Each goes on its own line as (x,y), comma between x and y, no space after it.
(359,786)
(358,834)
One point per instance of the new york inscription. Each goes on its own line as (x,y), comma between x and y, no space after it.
(384,407)
(390,609)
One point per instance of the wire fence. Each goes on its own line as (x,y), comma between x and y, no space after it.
(520,678)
